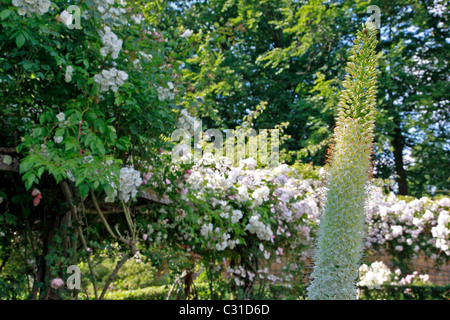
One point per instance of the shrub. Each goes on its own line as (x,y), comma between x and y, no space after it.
(391,292)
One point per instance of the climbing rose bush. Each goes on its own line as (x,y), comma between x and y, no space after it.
(250,217)
(408,227)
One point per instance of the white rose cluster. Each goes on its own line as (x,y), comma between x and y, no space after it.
(111,79)
(206,230)
(69,73)
(401,225)
(110,13)
(7,159)
(187,122)
(222,245)
(257,227)
(441,231)
(112,43)
(242,194)
(260,195)
(28,7)
(62,119)
(146,56)
(130,179)
(374,275)
(166,93)
(236,216)
(137,18)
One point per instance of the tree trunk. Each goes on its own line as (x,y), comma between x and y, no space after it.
(398,143)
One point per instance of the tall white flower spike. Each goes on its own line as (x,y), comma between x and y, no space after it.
(342,230)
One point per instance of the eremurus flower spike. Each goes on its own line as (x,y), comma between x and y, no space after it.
(348,170)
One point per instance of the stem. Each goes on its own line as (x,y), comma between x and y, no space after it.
(102,217)
(177,280)
(129,221)
(5,260)
(114,274)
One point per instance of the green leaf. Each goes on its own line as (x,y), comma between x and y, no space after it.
(27,64)
(20,40)
(10,219)
(91,116)
(26,165)
(84,190)
(79,181)
(29,180)
(118,100)
(101,149)
(59,132)
(40,171)
(69,145)
(5,14)
(37,132)
(102,128)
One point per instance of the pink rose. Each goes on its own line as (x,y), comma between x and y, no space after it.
(37,199)
(181,213)
(56,283)
(147,177)
(37,196)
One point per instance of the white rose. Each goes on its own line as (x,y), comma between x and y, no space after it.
(66,18)
(21,11)
(186,34)
(7,160)
(43,6)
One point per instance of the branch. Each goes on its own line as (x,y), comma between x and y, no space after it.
(153,197)
(114,274)
(121,238)
(92,211)
(8,150)
(68,196)
(102,217)
(10,168)
(111,210)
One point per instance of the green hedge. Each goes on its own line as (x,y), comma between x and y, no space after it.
(149,293)
(406,293)
(384,293)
